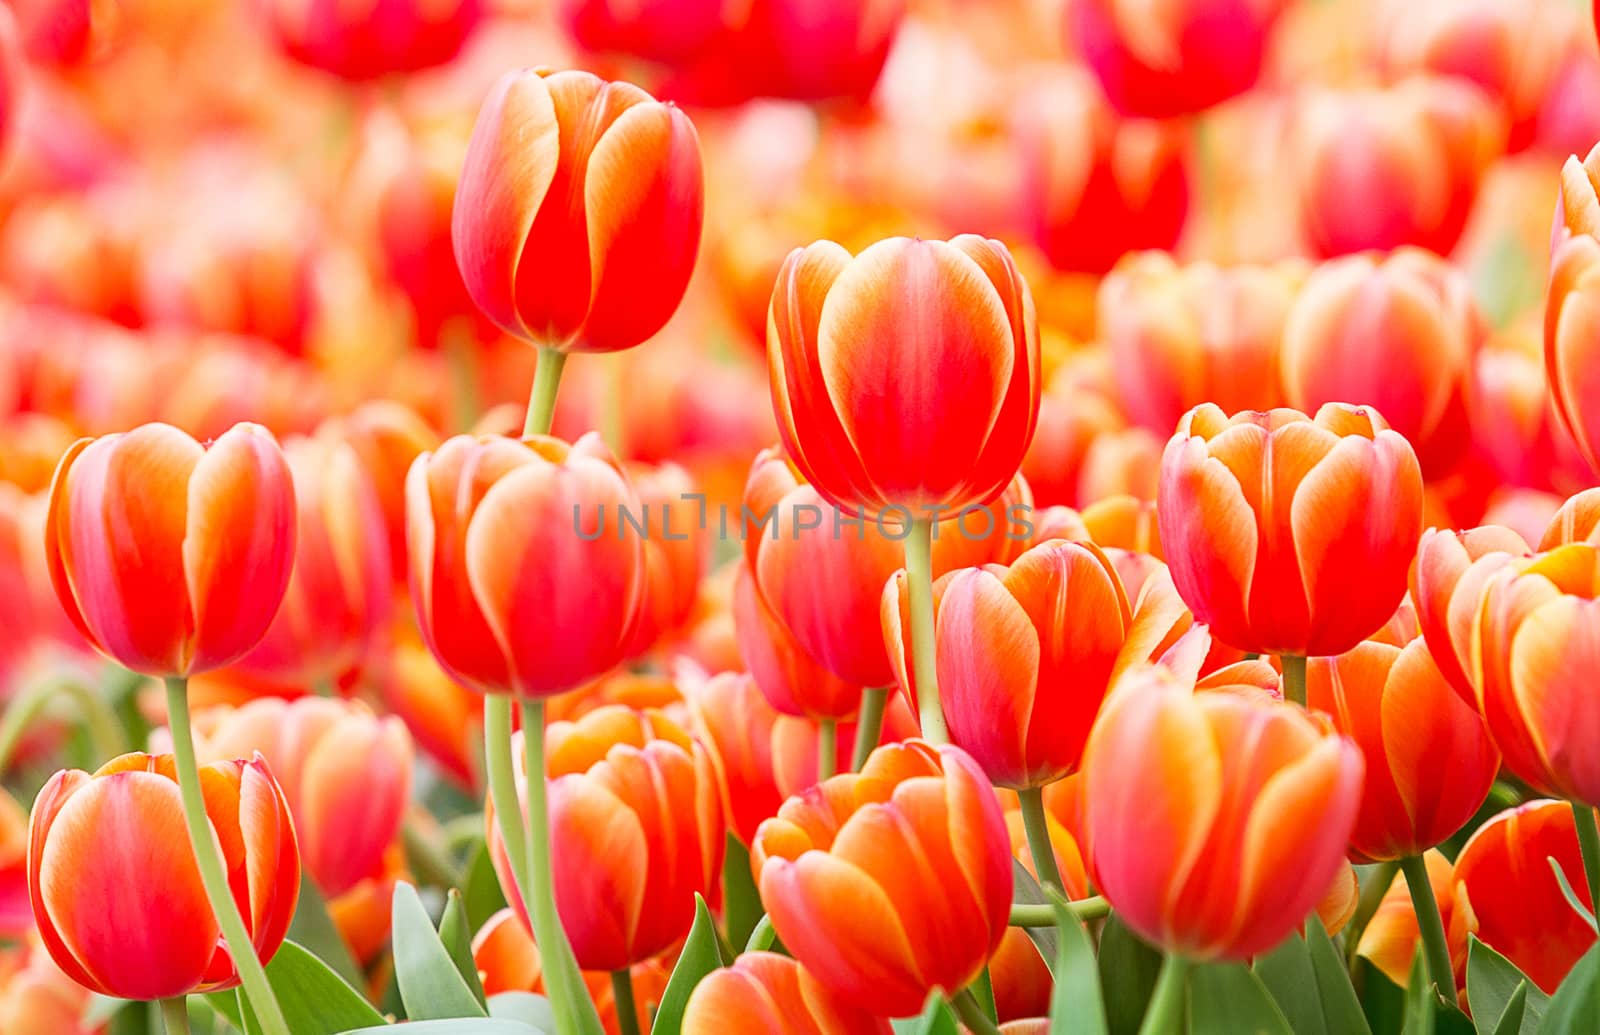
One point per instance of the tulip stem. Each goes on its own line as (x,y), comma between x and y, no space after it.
(1294,678)
(971,1013)
(1165,1012)
(546,383)
(869,724)
(213,870)
(1372,892)
(622,995)
(1430,925)
(1589,844)
(827,748)
(104,732)
(1037,826)
(924,651)
(175,1015)
(569,996)
(503,786)
(1028,914)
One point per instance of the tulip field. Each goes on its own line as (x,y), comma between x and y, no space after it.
(800,517)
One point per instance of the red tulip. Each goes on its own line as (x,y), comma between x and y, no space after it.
(676,547)
(1571,328)
(789,678)
(374,39)
(445,718)
(659,30)
(763,991)
(1447,584)
(387,437)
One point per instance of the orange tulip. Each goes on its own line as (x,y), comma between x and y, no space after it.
(1389,941)
(892,882)
(344,772)
(577,216)
(134,922)
(372,40)
(1397,333)
(36,627)
(1507,895)
(1577,520)
(445,718)
(1392,700)
(1447,585)
(1191,842)
(905,379)
(763,991)
(1072,417)
(790,680)
(387,437)
(1125,462)
(1025,656)
(635,832)
(1515,425)
(1571,327)
(1022,981)
(676,548)
(36,997)
(524,574)
(1289,535)
(1184,335)
(171,557)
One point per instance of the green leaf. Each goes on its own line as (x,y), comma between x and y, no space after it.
(1288,973)
(455,1026)
(1340,1005)
(1128,970)
(1576,1004)
(1420,998)
(764,938)
(314,928)
(1511,1018)
(700,957)
(1382,1001)
(315,1000)
(1075,1004)
(1578,905)
(430,985)
(1228,999)
(134,1018)
(1491,982)
(936,1018)
(525,1007)
(227,1005)
(741,902)
(1027,892)
(455,932)
(480,888)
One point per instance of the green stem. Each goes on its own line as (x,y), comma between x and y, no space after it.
(1294,678)
(546,383)
(428,861)
(869,724)
(622,995)
(213,870)
(503,786)
(1037,827)
(827,747)
(1372,893)
(569,996)
(1032,915)
(1436,950)
(924,651)
(105,733)
(1165,1012)
(175,1015)
(1589,844)
(971,1013)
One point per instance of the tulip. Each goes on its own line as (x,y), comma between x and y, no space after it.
(1072,417)
(387,437)
(1578,205)
(1096,185)
(1447,588)
(1177,59)
(892,882)
(1397,333)
(35,996)
(1577,521)
(1021,979)
(1416,151)
(660,30)
(1124,462)
(1195,865)
(1389,941)
(444,717)
(1310,567)
(763,991)
(676,546)
(577,216)
(37,628)
(168,556)
(159,939)
(373,40)
(791,681)
(1184,335)
(1515,425)
(16,917)
(345,775)
(1571,327)
(636,831)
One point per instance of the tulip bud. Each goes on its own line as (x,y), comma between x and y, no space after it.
(387,437)
(676,545)
(134,922)
(372,40)
(789,678)
(1571,329)
(763,991)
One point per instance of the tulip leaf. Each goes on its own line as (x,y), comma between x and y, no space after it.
(1516,1011)
(700,956)
(1027,892)
(764,938)
(313,928)
(525,1007)
(454,1026)
(1291,977)
(314,999)
(1075,1003)
(480,888)
(455,932)
(1128,970)
(1576,1004)
(1341,1007)
(431,986)
(1228,999)
(1492,980)
(936,1018)
(1572,898)
(741,902)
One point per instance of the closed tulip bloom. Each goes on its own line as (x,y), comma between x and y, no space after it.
(371,40)
(892,882)
(790,679)
(577,217)
(524,576)
(1398,333)
(635,831)
(1447,585)
(1577,521)
(344,772)
(1507,895)
(1184,335)
(676,546)
(1404,716)
(1287,534)
(1515,425)
(1571,328)
(444,717)
(654,29)
(1191,841)
(1578,205)
(134,922)
(906,376)
(1072,416)
(1021,979)
(763,991)
(169,556)
(387,436)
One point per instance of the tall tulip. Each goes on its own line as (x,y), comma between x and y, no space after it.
(763,991)
(892,882)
